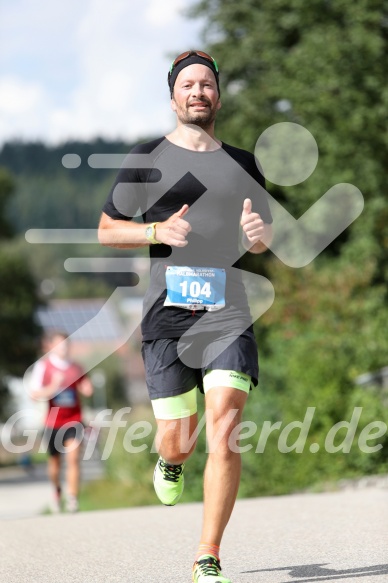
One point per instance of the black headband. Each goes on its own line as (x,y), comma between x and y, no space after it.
(192,60)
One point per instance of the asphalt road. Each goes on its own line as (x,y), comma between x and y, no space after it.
(339,537)
(24,494)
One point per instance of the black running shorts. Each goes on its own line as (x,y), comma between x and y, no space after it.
(57,438)
(167,375)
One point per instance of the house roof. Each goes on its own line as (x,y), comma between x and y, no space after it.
(85,320)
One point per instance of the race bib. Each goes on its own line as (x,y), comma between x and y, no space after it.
(195,288)
(66,398)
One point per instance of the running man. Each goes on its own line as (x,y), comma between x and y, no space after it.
(197,328)
(61,382)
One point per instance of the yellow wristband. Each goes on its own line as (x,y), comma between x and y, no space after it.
(150,234)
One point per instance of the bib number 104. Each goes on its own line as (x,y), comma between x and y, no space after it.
(195,289)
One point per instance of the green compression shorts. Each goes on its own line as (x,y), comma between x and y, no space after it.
(180,406)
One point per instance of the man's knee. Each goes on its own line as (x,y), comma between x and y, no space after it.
(220,434)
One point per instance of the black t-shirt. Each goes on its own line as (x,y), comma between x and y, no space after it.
(158,177)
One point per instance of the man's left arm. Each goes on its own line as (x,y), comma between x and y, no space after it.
(257,235)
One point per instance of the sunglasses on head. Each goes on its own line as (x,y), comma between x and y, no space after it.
(186,54)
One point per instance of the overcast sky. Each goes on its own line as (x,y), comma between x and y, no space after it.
(84,68)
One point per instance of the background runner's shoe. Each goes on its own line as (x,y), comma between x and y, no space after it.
(72,504)
(208,570)
(168,482)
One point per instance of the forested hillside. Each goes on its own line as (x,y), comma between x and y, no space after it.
(47,194)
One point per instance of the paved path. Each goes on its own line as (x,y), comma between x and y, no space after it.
(341,537)
(26,494)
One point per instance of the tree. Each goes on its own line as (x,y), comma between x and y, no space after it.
(321,64)
(18,302)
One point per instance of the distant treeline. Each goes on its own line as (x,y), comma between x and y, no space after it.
(48,195)
(37,157)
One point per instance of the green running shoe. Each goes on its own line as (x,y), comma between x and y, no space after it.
(208,570)
(168,482)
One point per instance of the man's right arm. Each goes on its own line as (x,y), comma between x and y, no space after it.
(121,234)
(127,234)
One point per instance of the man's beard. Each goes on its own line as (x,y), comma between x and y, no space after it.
(202,119)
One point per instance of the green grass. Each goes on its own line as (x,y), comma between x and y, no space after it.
(128,476)
(38,457)
(106,494)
